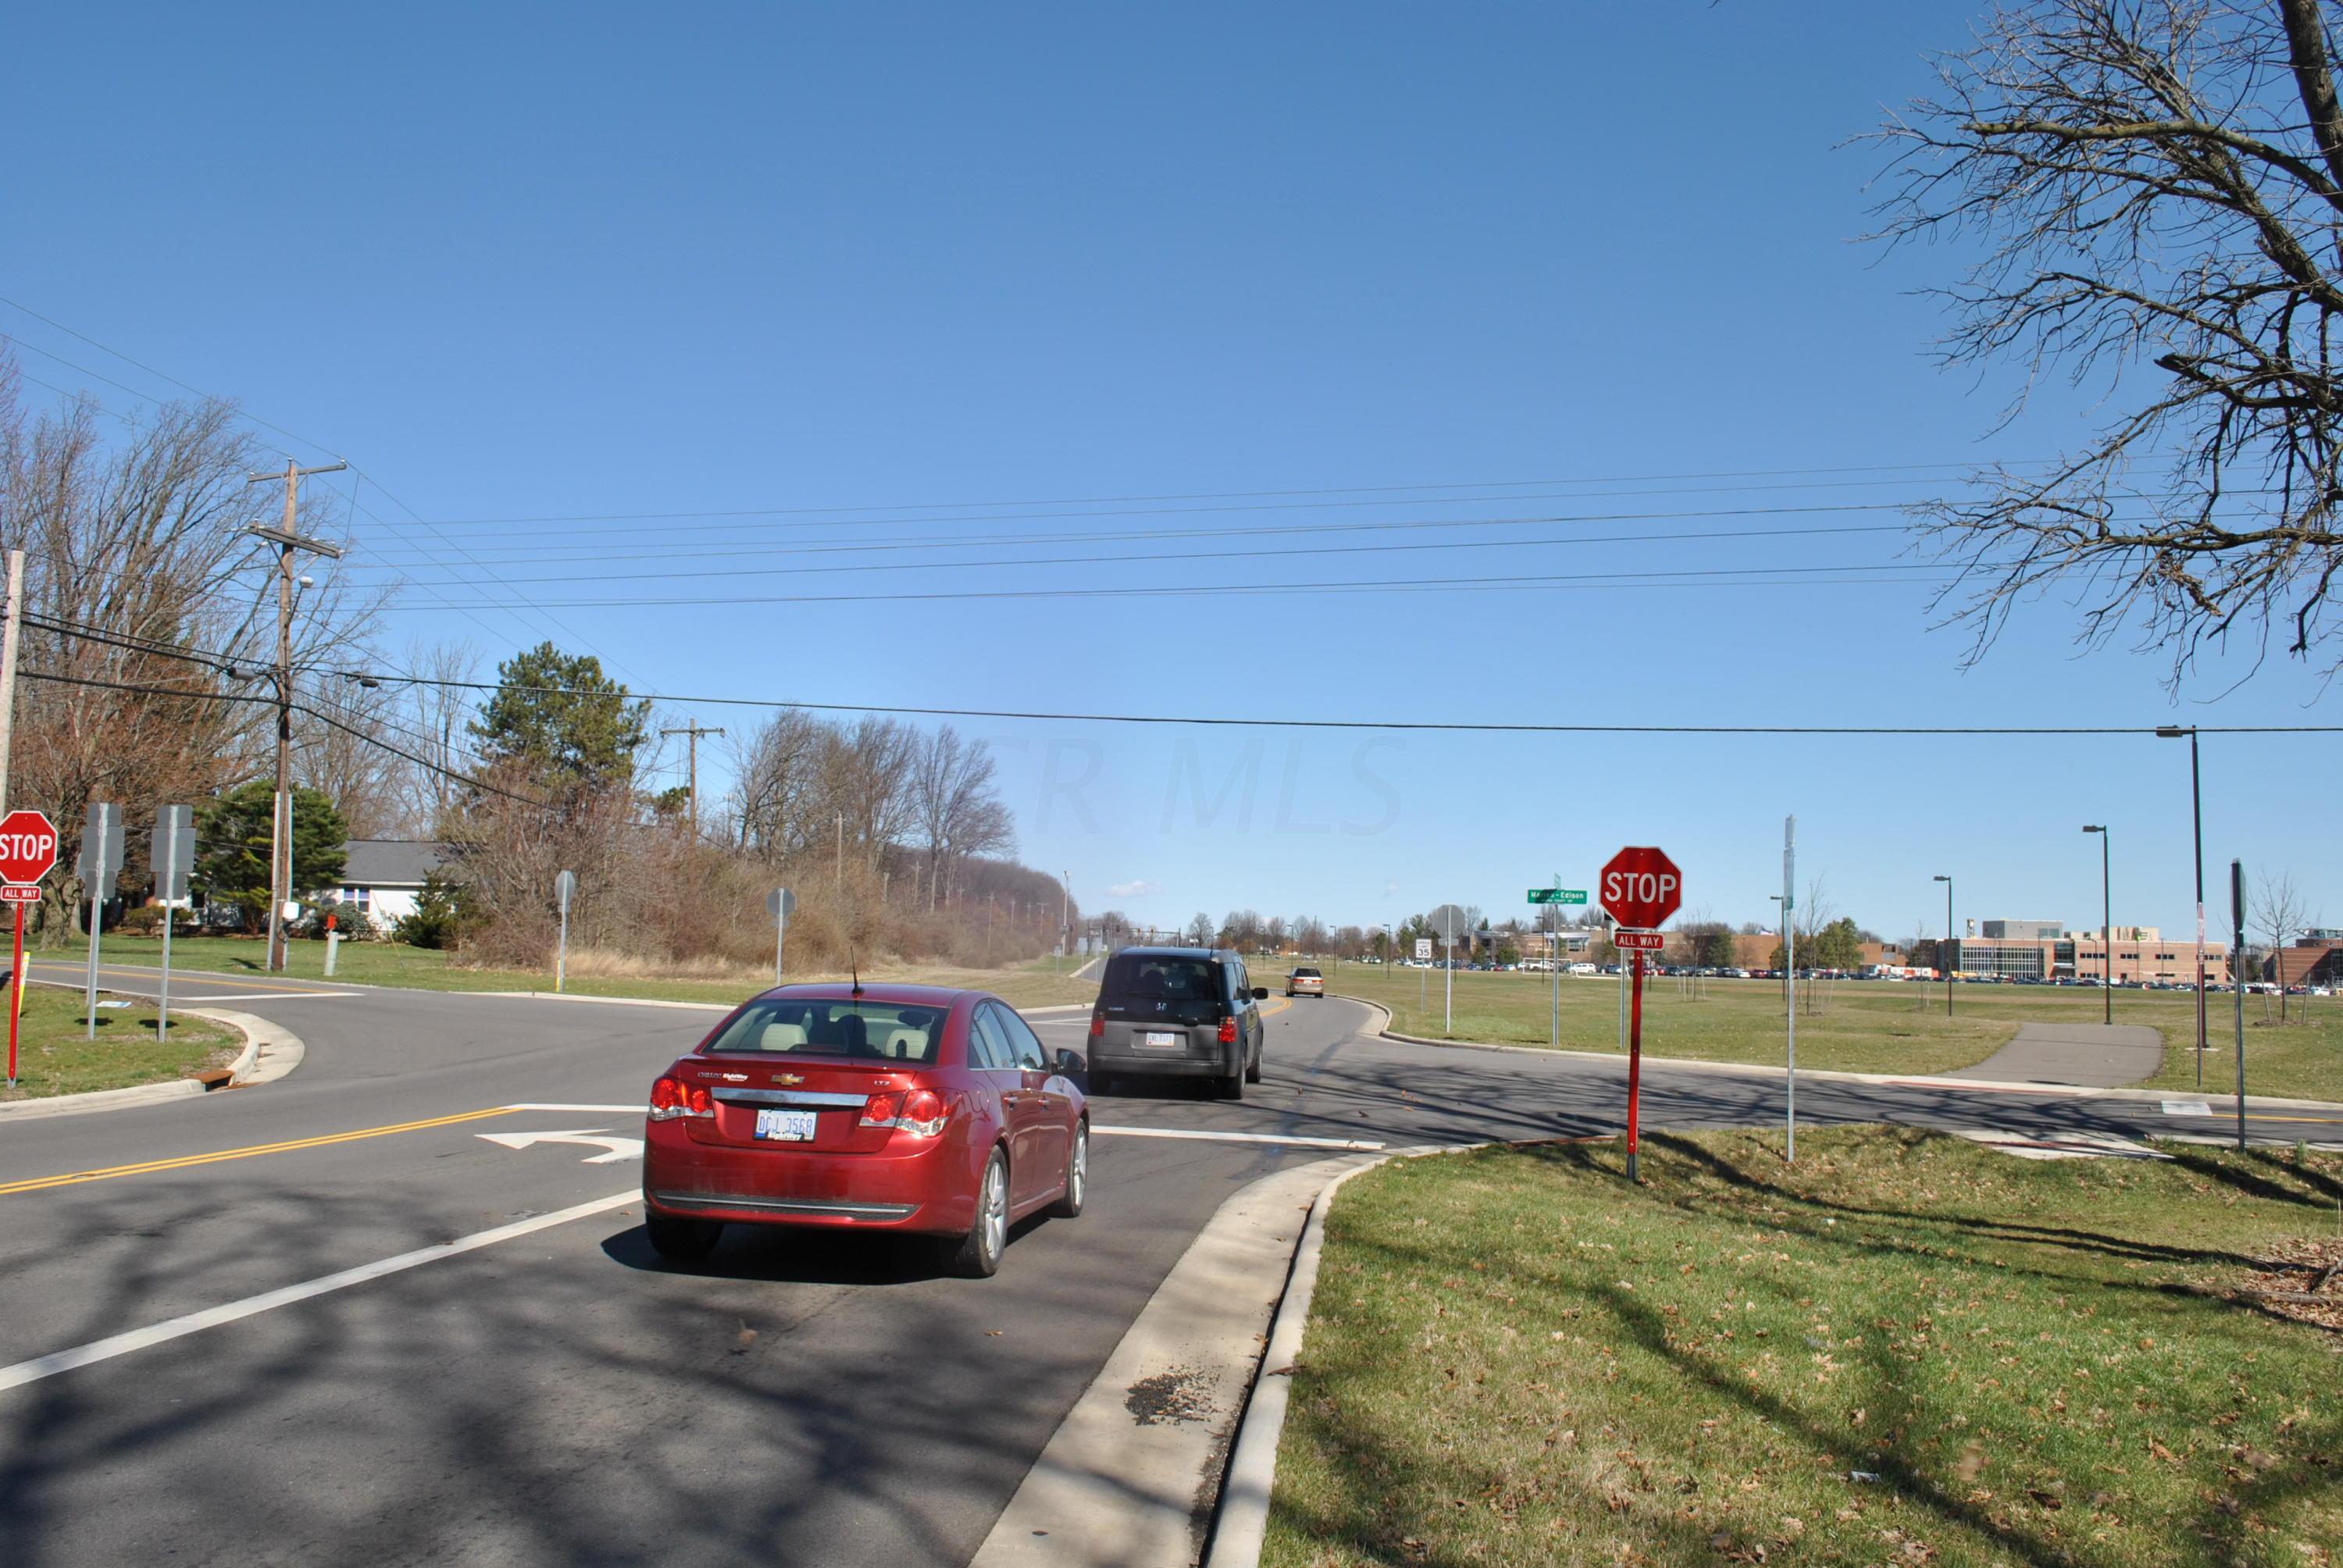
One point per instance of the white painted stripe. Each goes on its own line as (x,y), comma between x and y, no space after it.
(1196,1132)
(120,1344)
(2187,1107)
(1239,1137)
(257,996)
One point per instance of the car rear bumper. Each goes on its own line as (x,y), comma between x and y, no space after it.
(920,1188)
(1158,1064)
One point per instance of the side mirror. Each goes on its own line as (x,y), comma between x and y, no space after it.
(1260,993)
(1071,1062)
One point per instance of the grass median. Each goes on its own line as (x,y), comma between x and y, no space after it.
(1042,984)
(1904,1349)
(55,1056)
(1860,1025)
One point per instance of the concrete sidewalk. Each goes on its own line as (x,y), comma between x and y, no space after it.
(2083,1055)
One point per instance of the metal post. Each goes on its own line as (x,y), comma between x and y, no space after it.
(1636,1066)
(15,994)
(1553,958)
(1448,992)
(89,997)
(1790,962)
(2107,934)
(561,955)
(2237,988)
(2196,821)
(163,988)
(1949,947)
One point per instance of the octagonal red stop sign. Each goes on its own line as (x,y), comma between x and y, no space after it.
(1641,888)
(28,846)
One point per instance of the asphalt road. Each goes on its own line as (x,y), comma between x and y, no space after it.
(561,1396)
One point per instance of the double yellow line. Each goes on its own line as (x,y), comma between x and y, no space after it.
(183,1161)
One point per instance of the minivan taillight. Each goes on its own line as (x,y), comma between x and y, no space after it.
(1229,1029)
(671,1098)
(1098,1024)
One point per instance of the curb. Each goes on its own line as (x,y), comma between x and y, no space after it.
(1116,1488)
(269,1053)
(609,1001)
(1827,1075)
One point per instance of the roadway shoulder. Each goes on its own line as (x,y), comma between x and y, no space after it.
(1825,1075)
(1128,1479)
(270,1052)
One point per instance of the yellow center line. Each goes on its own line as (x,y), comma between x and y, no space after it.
(181,1162)
(186,978)
(1283,1002)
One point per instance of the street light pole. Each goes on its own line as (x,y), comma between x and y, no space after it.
(1943,960)
(2196,818)
(2106,928)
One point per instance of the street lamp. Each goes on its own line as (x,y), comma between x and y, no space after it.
(2106,931)
(1944,958)
(2197,818)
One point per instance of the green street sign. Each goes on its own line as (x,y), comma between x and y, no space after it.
(1557,894)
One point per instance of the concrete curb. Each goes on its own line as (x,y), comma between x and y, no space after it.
(271,1051)
(1825,1075)
(1128,1478)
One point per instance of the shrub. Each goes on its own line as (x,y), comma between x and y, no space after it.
(443,914)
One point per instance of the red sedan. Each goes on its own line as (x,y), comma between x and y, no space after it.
(867,1108)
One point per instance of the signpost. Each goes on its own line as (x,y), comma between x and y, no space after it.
(28,850)
(173,862)
(565,888)
(1790,967)
(100,864)
(780,903)
(1449,924)
(2237,983)
(1640,889)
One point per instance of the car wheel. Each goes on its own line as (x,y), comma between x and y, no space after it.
(1253,1072)
(683,1240)
(1078,1176)
(1233,1086)
(977,1255)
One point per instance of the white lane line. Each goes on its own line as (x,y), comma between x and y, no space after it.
(120,1344)
(1295,1142)
(263,996)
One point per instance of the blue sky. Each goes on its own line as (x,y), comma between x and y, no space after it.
(818,267)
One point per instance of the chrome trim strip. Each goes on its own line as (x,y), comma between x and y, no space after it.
(785,1205)
(791,1097)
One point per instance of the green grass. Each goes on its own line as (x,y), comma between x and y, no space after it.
(1865,1027)
(1514,1357)
(396,964)
(53,1057)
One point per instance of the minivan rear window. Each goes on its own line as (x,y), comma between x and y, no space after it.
(872,1032)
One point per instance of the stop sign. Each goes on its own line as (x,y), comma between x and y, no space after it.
(1641,888)
(28,846)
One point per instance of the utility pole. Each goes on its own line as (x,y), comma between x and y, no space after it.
(9,640)
(289,541)
(691,733)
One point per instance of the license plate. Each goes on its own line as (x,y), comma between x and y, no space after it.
(786,1126)
(1154,1038)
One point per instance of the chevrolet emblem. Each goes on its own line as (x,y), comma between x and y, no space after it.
(787,1078)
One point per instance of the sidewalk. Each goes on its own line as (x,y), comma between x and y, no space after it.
(2080,1055)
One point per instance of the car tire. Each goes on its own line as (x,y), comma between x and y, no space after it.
(1252,1070)
(977,1255)
(1232,1087)
(1069,1205)
(684,1241)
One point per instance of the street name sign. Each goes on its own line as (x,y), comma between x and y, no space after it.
(1557,894)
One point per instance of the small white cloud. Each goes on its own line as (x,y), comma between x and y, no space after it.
(1136,889)
(1390,888)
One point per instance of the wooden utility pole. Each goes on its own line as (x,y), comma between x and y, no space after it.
(8,644)
(289,541)
(691,733)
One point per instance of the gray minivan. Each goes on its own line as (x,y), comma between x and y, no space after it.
(1176,1012)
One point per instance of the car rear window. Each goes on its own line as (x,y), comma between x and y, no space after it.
(1307,974)
(1141,976)
(867,1030)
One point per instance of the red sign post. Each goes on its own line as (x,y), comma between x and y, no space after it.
(28,850)
(1640,889)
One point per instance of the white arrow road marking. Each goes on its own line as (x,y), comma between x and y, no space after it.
(620,1148)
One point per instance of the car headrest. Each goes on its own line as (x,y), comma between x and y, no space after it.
(903,1043)
(781,1037)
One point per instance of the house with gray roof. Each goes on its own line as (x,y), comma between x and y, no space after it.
(384,876)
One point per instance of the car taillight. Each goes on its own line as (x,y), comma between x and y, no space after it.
(671,1098)
(1098,1024)
(1229,1029)
(918,1112)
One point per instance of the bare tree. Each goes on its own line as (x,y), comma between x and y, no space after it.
(955,804)
(2159,187)
(1200,932)
(2279,913)
(778,793)
(432,722)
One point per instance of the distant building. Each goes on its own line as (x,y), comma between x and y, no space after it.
(2315,959)
(2140,953)
(384,876)
(2023,930)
